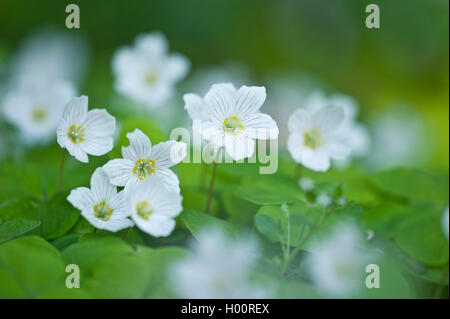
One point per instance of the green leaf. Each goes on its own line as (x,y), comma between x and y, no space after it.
(19,208)
(29,267)
(196,222)
(65,241)
(57,217)
(238,210)
(193,200)
(16,228)
(270,191)
(413,184)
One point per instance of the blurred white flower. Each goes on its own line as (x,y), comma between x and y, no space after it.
(142,161)
(306,184)
(313,140)
(154,207)
(50,55)
(146,73)
(445,222)
(82,132)
(324,200)
(399,138)
(102,205)
(337,263)
(36,109)
(231,118)
(219,268)
(356,135)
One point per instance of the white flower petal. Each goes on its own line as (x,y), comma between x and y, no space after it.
(220,101)
(300,121)
(99,123)
(337,150)
(120,171)
(169,179)
(97,146)
(260,126)
(76,151)
(119,202)
(193,104)
(112,225)
(328,119)
(140,146)
(167,154)
(176,68)
(76,110)
(316,160)
(81,198)
(157,225)
(239,147)
(295,146)
(102,189)
(153,44)
(249,100)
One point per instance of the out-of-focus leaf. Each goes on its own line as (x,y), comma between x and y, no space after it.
(16,228)
(57,216)
(196,222)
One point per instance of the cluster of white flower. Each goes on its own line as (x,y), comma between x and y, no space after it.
(151,196)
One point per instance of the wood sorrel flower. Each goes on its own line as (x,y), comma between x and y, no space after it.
(153,207)
(312,140)
(146,73)
(142,161)
(82,132)
(231,118)
(102,205)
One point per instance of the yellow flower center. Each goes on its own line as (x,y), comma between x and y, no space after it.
(143,168)
(39,113)
(150,77)
(232,125)
(143,210)
(313,139)
(76,133)
(102,211)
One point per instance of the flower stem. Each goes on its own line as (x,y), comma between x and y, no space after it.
(125,233)
(201,181)
(211,184)
(94,230)
(61,169)
(304,240)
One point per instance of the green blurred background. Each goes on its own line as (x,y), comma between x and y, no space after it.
(405,60)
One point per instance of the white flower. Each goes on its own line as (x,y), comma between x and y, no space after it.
(153,207)
(82,132)
(142,161)
(445,222)
(231,118)
(312,140)
(102,205)
(306,184)
(219,268)
(146,73)
(337,263)
(324,200)
(36,109)
(354,134)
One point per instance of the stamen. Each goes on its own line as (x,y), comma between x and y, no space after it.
(76,133)
(232,125)
(150,77)
(313,139)
(143,168)
(102,211)
(143,210)
(39,113)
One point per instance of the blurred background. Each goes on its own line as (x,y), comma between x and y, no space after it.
(398,74)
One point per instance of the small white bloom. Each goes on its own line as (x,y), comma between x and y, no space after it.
(219,268)
(306,184)
(231,118)
(312,140)
(146,73)
(354,134)
(82,132)
(324,200)
(445,222)
(102,205)
(153,207)
(337,263)
(36,109)
(142,161)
